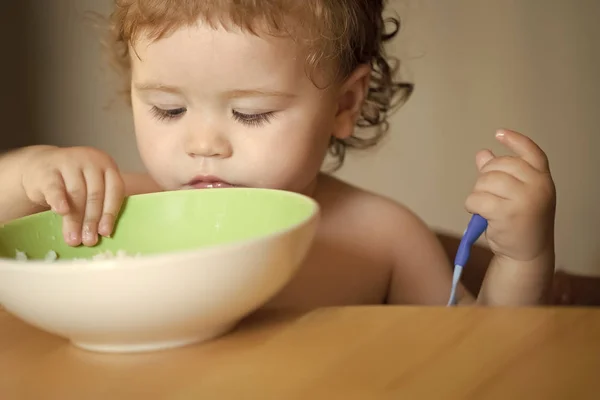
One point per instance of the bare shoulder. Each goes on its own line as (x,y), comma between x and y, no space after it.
(362,205)
(421,272)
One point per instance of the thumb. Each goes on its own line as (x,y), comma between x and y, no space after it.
(483,157)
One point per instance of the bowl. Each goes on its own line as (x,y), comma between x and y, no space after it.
(198,261)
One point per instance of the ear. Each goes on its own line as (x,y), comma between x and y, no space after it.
(351,97)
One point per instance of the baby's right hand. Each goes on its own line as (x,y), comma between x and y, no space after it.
(82,184)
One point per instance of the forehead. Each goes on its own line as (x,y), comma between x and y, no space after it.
(218,57)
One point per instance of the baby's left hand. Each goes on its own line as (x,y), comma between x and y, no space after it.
(516,194)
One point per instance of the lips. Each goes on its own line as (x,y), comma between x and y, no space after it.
(209,182)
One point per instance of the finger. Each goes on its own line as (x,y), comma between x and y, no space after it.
(525,148)
(499,184)
(94,180)
(483,157)
(484,204)
(77,192)
(113,199)
(55,195)
(514,166)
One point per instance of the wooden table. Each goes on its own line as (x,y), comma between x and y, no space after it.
(339,353)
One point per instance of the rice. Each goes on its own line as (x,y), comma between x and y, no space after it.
(52,256)
(21,256)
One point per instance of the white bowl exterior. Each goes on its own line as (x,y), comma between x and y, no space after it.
(136,303)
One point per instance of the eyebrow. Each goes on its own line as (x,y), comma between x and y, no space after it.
(232,94)
(157,87)
(257,93)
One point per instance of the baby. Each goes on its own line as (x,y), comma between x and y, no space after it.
(257,94)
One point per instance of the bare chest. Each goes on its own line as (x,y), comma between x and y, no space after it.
(336,272)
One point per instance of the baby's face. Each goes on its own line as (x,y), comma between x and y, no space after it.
(229,106)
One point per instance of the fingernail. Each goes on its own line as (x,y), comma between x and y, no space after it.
(88,235)
(73,237)
(500,134)
(104,228)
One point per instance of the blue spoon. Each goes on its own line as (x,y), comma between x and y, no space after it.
(477,225)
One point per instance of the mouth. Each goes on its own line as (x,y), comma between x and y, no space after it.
(209,182)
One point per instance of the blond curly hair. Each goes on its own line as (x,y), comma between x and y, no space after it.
(349,32)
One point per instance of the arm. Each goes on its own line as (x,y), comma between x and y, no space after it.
(516,194)
(421,272)
(14,202)
(516,283)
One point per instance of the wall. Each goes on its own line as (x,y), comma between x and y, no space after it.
(478,65)
(17,111)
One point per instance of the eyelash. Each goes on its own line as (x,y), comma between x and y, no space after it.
(253,120)
(162,115)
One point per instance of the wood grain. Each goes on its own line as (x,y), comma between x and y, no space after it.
(339,353)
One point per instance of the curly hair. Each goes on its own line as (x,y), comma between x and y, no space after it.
(348,32)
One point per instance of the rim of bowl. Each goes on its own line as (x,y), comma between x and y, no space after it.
(69,265)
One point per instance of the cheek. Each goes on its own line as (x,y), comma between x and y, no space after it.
(292,152)
(145,134)
(155,149)
(152,136)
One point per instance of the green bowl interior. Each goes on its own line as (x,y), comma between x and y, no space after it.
(167,222)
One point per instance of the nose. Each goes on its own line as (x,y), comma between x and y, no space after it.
(209,143)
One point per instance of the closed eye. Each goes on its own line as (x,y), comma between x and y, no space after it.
(168,114)
(253,119)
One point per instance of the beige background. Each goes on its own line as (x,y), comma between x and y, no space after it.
(531,65)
